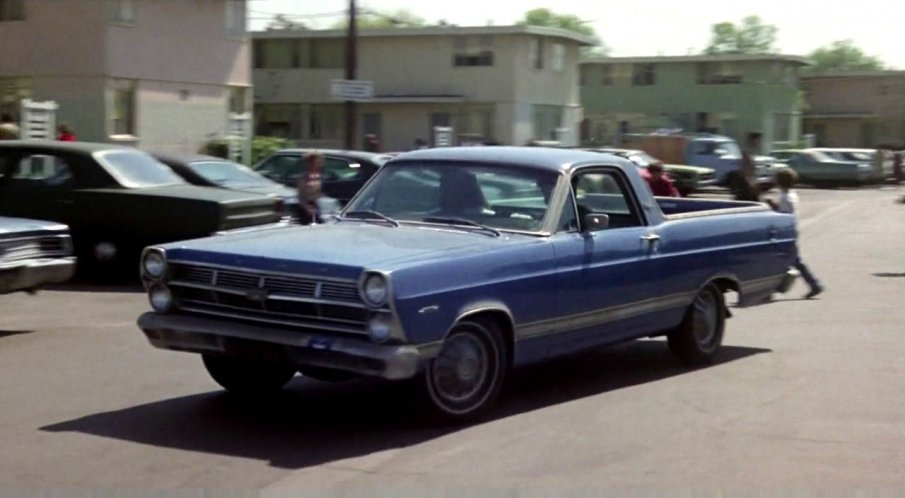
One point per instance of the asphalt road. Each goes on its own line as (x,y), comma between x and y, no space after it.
(808,394)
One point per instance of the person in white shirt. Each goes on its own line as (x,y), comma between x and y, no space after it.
(788,203)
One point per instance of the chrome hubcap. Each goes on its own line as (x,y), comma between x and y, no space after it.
(706,316)
(460,371)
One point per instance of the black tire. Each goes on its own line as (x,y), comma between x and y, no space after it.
(327,374)
(247,377)
(697,340)
(474,360)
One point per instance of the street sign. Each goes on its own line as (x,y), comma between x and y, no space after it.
(352,90)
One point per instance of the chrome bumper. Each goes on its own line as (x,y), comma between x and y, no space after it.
(205,335)
(30,275)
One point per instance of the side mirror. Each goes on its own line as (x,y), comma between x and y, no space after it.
(596,222)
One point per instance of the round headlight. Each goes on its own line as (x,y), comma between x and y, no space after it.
(161,298)
(154,264)
(379,327)
(375,290)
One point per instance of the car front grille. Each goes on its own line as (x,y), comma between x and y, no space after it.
(39,247)
(280,299)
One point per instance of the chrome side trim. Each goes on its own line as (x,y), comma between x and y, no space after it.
(602,316)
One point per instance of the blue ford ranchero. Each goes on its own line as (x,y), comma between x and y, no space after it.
(458,264)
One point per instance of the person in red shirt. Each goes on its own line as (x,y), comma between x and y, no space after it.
(659,183)
(66,133)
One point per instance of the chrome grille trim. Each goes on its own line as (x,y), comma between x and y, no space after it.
(35,247)
(300,301)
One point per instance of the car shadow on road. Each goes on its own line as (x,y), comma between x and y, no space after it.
(313,423)
(81,286)
(7,333)
(889,275)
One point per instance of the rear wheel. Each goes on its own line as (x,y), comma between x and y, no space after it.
(464,380)
(697,340)
(247,377)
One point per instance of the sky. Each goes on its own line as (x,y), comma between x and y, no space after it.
(652,27)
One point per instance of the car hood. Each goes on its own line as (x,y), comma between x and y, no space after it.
(275,189)
(193,192)
(340,250)
(9,226)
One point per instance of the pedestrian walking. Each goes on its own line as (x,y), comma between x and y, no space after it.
(9,130)
(788,203)
(314,205)
(660,184)
(66,134)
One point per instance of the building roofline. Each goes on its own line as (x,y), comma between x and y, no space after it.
(853,74)
(429,31)
(795,59)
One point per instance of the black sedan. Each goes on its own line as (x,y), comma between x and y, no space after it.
(210,171)
(344,171)
(117,200)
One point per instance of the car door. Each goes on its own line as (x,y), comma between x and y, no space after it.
(606,283)
(37,185)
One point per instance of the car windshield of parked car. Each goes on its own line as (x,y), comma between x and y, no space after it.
(494,196)
(228,174)
(820,156)
(857,156)
(135,169)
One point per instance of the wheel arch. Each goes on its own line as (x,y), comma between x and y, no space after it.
(497,313)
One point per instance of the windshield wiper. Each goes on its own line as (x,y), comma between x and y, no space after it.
(370,215)
(452,220)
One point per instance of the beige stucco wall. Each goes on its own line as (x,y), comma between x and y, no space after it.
(167,123)
(57,38)
(874,103)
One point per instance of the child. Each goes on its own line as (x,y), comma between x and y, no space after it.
(788,203)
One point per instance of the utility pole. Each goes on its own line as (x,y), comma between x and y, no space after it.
(351,63)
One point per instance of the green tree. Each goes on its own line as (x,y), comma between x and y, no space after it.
(843,56)
(750,36)
(570,22)
(371,19)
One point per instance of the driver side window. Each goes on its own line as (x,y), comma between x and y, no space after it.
(605,191)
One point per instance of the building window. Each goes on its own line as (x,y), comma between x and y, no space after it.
(122,109)
(273,54)
(325,121)
(546,121)
(473,51)
(235,17)
(238,99)
(719,73)
(607,78)
(559,57)
(326,54)
(122,11)
(475,124)
(12,10)
(278,120)
(537,53)
(644,75)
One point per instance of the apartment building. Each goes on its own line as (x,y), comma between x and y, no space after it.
(161,74)
(856,109)
(501,84)
(729,94)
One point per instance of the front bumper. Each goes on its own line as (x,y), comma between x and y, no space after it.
(205,335)
(32,274)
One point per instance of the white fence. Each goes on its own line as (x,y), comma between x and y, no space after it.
(238,135)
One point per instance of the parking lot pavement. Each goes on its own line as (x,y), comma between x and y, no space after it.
(808,393)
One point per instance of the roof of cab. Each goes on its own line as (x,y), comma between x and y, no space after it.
(557,160)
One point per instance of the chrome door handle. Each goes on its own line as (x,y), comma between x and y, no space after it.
(650,238)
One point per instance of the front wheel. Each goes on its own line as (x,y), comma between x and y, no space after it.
(697,340)
(464,380)
(247,377)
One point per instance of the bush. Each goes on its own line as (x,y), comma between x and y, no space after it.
(217,147)
(262,147)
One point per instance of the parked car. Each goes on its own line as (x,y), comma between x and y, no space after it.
(718,152)
(880,160)
(344,171)
(687,179)
(210,171)
(456,264)
(817,168)
(33,254)
(117,200)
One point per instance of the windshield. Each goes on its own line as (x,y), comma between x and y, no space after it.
(857,156)
(821,156)
(227,173)
(494,196)
(135,169)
